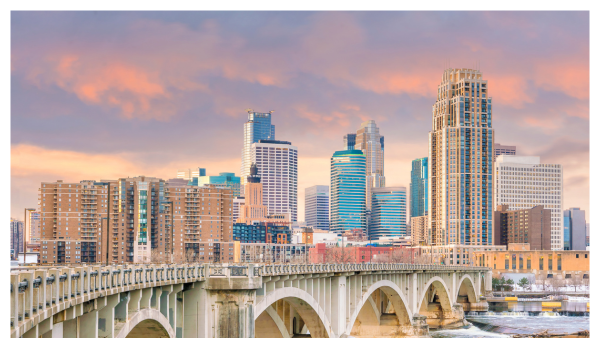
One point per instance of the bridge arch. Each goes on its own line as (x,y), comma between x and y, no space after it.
(393,293)
(441,289)
(146,321)
(466,287)
(307,307)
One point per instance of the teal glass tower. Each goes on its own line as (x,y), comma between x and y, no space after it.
(388,212)
(418,187)
(228,180)
(348,193)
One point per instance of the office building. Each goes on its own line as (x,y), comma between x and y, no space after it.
(530,225)
(348,193)
(587,234)
(571,266)
(500,149)
(419,230)
(349,142)
(258,127)
(16,238)
(277,163)
(574,229)
(388,212)
(223,180)
(523,182)
(316,207)
(418,187)
(253,210)
(368,139)
(32,227)
(189,174)
(460,161)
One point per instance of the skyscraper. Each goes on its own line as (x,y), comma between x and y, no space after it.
(500,149)
(258,127)
(224,180)
(388,212)
(576,228)
(460,161)
(16,237)
(277,163)
(348,193)
(523,182)
(316,207)
(371,143)
(253,210)
(418,187)
(349,141)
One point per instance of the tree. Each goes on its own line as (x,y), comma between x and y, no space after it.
(523,282)
(495,283)
(510,282)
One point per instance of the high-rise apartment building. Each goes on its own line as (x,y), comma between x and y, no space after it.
(132,220)
(195,223)
(32,226)
(388,212)
(348,193)
(500,149)
(574,229)
(531,225)
(418,187)
(523,182)
(316,207)
(419,234)
(74,219)
(238,202)
(16,237)
(460,161)
(258,127)
(277,163)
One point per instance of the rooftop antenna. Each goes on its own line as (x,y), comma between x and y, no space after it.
(249,110)
(271,111)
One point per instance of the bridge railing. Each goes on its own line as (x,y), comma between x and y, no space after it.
(36,290)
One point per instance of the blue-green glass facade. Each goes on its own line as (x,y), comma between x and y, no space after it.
(388,212)
(348,191)
(228,180)
(567,232)
(418,187)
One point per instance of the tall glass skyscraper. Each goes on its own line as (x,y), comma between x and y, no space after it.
(418,187)
(258,127)
(348,193)
(461,152)
(316,207)
(388,212)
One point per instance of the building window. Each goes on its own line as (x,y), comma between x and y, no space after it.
(506,262)
(558,262)
(541,263)
(520,261)
(549,261)
(528,262)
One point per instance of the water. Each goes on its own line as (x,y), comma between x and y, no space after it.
(504,323)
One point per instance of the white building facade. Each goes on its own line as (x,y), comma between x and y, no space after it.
(523,182)
(277,163)
(316,207)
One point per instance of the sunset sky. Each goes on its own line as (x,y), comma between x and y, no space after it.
(104,95)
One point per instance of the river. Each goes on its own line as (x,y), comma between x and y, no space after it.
(519,319)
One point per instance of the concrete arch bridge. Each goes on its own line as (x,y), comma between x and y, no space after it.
(251,300)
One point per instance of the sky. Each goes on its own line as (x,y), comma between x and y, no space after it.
(105,95)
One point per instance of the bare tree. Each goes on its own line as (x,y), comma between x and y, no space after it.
(338,255)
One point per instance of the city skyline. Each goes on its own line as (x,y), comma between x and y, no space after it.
(83,126)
